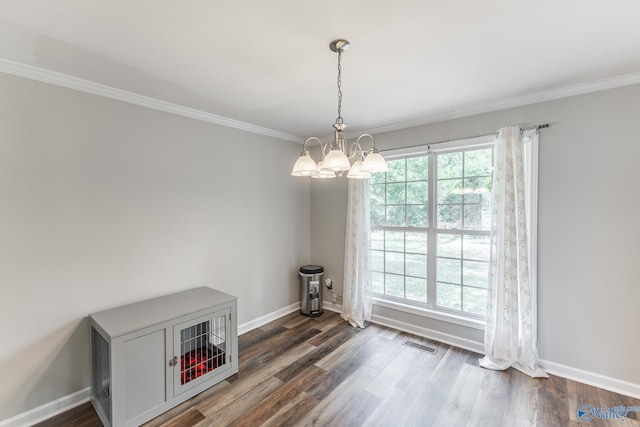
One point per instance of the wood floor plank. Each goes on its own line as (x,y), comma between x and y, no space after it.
(349,365)
(489,408)
(247,382)
(188,418)
(390,411)
(363,338)
(322,350)
(235,412)
(252,345)
(462,397)
(448,368)
(522,394)
(329,331)
(389,376)
(608,399)
(81,416)
(333,400)
(290,414)
(280,397)
(279,345)
(553,408)
(300,370)
(358,411)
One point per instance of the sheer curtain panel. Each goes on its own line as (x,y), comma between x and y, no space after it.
(510,333)
(357,298)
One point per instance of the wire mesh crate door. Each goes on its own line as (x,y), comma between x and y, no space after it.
(202,348)
(101,373)
(219,341)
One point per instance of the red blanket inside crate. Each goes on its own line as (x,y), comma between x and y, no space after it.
(198,362)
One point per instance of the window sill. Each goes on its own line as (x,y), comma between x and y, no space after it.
(432,314)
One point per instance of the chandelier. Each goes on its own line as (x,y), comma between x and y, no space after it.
(353,163)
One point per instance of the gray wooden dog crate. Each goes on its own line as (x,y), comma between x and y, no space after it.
(150,356)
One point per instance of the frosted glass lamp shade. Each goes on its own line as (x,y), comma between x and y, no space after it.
(324,174)
(305,166)
(374,162)
(356,171)
(336,161)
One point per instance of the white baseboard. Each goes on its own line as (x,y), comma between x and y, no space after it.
(597,380)
(263,320)
(48,410)
(463,343)
(332,307)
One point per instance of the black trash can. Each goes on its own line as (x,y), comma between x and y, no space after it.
(311,290)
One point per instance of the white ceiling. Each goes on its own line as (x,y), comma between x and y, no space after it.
(267,62)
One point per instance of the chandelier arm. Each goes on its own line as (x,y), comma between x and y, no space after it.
(354,148)
(324,148)
(373,141)
(304,147)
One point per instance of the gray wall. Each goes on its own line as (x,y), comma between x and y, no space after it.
(589,231)
(104,203)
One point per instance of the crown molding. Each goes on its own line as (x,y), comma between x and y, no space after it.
(511,102)
(64,80)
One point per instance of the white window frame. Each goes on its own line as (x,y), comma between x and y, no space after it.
(430,309)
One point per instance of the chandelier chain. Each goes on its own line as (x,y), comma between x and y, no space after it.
(339,119)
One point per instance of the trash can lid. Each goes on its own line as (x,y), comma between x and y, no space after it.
(311,269)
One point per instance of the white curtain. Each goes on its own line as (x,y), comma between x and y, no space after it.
(510,334)
(357,292)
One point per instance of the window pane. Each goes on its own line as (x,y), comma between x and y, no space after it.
(377,194)
(450,245)
(418,168)
(449,216)
(477,186)
(395,216)
(378,282)
(394,241)
(478,162)
(417,216)
(449,270)
(394,262)
(377,261)
(474,217)
(394,285)
(377,239)
(449,296)
(450,165)
(377,178)
(416,265)
(475,300)
(450,191)
(475,273)
(377,215)
(396,170)
(395,194)
(417,192)
(416,289)
(476,248)
(416,243)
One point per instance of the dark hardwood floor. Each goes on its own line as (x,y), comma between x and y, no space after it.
(299,371)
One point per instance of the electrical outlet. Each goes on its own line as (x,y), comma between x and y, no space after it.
(328,283)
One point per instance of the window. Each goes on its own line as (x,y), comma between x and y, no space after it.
(430,225)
